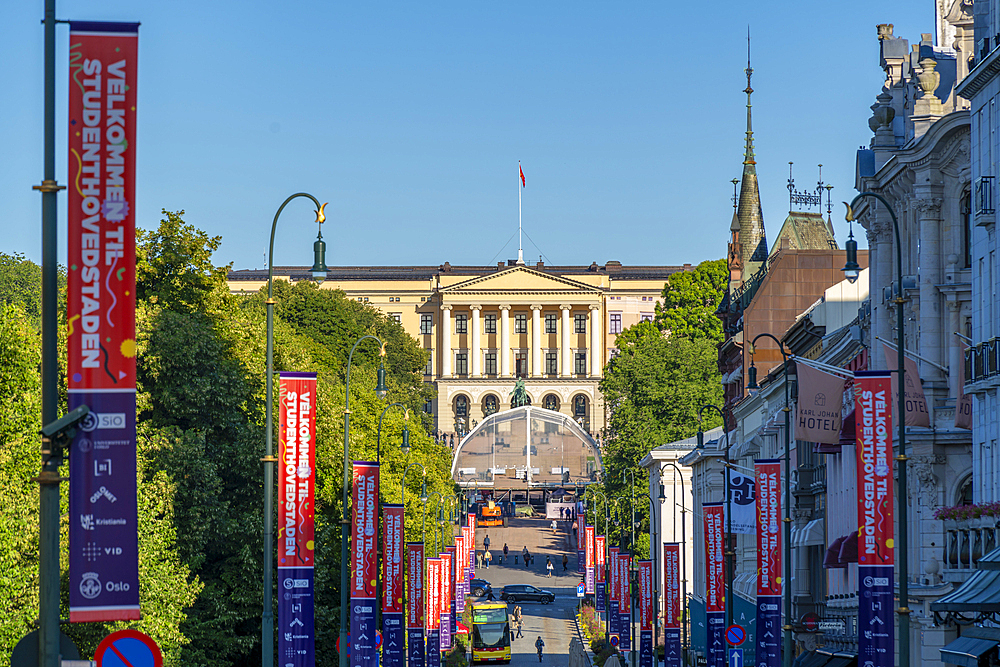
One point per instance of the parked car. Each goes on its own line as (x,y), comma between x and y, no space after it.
(525,593)
(480,587)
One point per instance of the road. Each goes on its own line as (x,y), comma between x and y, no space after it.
(553,622)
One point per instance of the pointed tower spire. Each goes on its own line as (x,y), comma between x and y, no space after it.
(753,243)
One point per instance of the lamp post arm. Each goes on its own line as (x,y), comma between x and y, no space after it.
(274,225)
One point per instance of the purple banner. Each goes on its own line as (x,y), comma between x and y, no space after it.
(716,627)
(614,617)
(392,639)
(296,634)
(875,622)
(768,630)
(625,626)
(599,596)
(415,647)
(645,648)
(103,538)
(672,647)
(581,558)
(433,648)
(363,651)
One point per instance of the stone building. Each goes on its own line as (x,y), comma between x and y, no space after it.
(484,327)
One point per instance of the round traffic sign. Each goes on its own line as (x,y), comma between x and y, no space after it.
(735,635)
(128,648)
(378,639)
(614,641)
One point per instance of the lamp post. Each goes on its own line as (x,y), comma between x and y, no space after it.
(345,522)
(787,564)
(319,273)
(405,447)
(684,614)
(607,616)
(730,553)
(631,606)
(402,497)
(656,589)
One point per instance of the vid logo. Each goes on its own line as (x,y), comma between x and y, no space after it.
(90,585)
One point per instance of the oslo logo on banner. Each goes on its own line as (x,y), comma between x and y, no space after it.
(768,475)
(715,582)
(100,321)
(364,526)
(873,428)
(296,518)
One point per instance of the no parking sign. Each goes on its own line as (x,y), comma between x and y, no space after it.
(128,648)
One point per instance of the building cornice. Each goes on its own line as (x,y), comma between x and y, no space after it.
(984,72)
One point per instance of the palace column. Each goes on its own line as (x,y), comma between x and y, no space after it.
(596,352)
(446,341)
(536,340)
(504,350)
(565,352)
(474,347)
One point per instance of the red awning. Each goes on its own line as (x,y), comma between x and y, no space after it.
(849,549)
(832,559)
(847,430)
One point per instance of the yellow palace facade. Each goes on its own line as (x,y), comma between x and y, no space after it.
(487,326)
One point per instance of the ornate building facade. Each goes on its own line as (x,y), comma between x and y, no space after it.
(485,327)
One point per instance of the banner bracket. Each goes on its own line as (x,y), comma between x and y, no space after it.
(49,185)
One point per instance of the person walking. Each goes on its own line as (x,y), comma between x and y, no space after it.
(548,567)
(487,557)
(525,556)
(505,554)
(479,559)
(565,562)
(539,644)
(520,624)
(486,542)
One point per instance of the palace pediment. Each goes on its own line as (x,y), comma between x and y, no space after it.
(521,280)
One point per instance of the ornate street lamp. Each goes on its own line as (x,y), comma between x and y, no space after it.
(729,552)
(684,606)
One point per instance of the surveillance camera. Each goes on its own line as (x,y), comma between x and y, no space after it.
(65,424)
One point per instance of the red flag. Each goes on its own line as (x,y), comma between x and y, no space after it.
(521,172)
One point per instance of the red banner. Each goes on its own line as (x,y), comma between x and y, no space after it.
(433,608)
(364,523)
(588,560)
(645,595)
(446,561)
(599,554)
(392,558)
(768,478)
(624,567)
(714,564)
(297,465)
(414,585)
(672,585)
(873,415)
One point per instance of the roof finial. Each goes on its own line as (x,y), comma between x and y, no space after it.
(748,153)
(736,191)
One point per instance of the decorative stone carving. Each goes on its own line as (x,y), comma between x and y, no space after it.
(928,205)
(928,79)
(922,470)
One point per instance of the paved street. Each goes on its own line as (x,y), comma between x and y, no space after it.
(553,622)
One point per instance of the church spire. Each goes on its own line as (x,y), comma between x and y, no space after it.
(752,240)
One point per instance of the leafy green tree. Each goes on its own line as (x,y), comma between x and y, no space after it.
(21,284)
(690,299)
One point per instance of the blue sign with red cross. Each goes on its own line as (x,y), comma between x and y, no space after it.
(128,648)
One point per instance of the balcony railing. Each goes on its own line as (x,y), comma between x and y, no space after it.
(982,361)
(983,208)
(968,541)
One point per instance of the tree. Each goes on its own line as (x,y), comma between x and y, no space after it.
(690,299)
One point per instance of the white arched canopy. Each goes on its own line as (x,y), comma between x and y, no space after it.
(526,447)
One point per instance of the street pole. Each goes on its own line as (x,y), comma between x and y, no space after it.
(684,614)
(269,459)
(786,582)
(48,480)
(901,458)
(345,522)
(378,529)
(730,553)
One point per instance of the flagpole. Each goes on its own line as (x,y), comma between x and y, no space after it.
(520,246)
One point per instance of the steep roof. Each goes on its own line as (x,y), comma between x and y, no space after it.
(805,231)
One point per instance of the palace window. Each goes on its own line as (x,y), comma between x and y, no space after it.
(551,363)
(490,323)
(490,363)
(521,364)
(646,317)
(396,317)
(426,322)
(429,368)
(550,323)
(520,323)
(461,363)
(461,406)
(615,326)
(580,323)
(461,323)
(580,363)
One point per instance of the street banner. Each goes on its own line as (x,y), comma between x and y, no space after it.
(817,412)
(600,591)
(460,574)
(296,517)
(415,604)
(769,564)
(100,321)
(715,609)
(645,613)
(392,586)
(876,558)
(589,561)
(672,605)
(364,569)
(444,602)
(580,551)
(472,547)
(741,493)
(433,614)
(963,402)
(625,599)
(913,394)
(614,609)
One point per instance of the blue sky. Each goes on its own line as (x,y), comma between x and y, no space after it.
(409,118)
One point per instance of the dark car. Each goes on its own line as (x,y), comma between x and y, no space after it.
(525,593)
(480,587)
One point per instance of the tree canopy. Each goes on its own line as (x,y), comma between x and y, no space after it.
(690,299)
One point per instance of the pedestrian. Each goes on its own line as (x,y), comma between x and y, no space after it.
(487,557)
(565,562)
(548,567)
(538,645)
(562,513)
(490,596)
(486,541)
(479,559)
(505,555)
(526,556)
(519,625)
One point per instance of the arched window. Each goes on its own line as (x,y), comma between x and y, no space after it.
(551,402)
(461,406)
(580,406)
(490,405)
(965,493)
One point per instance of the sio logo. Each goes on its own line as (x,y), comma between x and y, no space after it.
(90,585)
